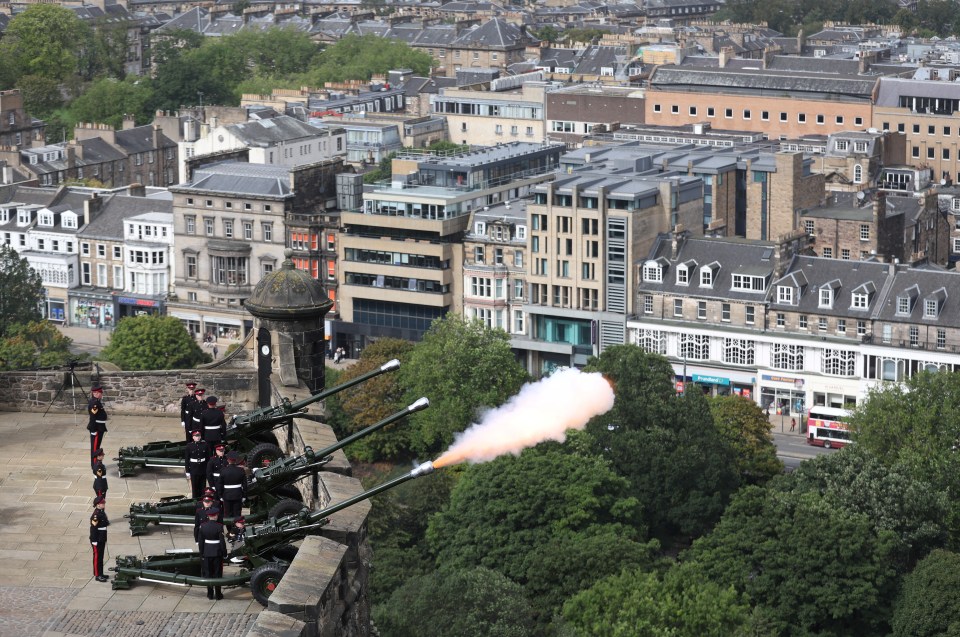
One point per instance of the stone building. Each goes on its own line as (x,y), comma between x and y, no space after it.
(17,128)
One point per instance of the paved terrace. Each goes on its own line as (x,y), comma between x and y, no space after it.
(46,497)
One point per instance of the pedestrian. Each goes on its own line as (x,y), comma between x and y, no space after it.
(196,409)
(195,464)
(186,404)
(213,424)
(97,423)
(100,471)
(216,463)
(213,550)
(215,352)
(232,488)
(98,536)
(793,424)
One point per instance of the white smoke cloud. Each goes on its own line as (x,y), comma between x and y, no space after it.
(541,411)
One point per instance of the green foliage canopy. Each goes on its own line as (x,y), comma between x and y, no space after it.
(746,431)
(46,40)
(34,344)
(360,57)
(152,342)
(21,290)
(928,605)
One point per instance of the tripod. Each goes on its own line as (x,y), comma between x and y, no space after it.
(69,378)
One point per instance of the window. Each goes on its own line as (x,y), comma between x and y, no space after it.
(695,347)
(931,130)
(693,111)
(725,312)
(656,108)
(706,277)
(838,362)
(85,249)
(801,118)
(702,310)
(683,275)
(678,307)
(783,117)
(750,314)
(781,319)
(208,226)
(652,272)
(864,232)
(861,328)
(267,207)
(191,266)
(747,283)
(247,231)
(941,339)
(765,116)
(826,297)
(654,341)
(858,121)
(903,305)
(647,304)
(787,357)
(858,174)
(228,228)
(822,324)
(808,226)
(267,230)
(860,301)
(914,336)
(839,120)
(746,113)
(728,113)
(191,224)
(828,253)
(845,254)
(711,111)
(931,153)
(675,109)
(820,119)
(101,251)
(785,294)
(930,308)
(738,351)
(841,326)
(479,254)
(802,321)
(946,153)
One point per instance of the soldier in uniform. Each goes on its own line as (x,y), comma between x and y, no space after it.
(237,532)
(100,471)
(98,536)
(186,404)
(216,464)
(213,424)
(232,487)
(195,461)
(213,550)
(199,404)
(208,502)
(97,425)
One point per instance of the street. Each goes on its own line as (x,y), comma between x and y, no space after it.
(792,449)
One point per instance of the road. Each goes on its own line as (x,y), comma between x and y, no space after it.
(793,449)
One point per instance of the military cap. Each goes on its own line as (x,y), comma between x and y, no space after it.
(212,513)
(99,500)
(212,400)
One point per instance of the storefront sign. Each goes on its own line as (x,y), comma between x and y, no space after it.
(710,380)
(797,382)
(126,300)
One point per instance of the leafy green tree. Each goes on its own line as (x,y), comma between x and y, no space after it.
(679,467)
(375,399)
(382,172)
(109,52)
(511,513)
(153,342)
(46,40)
(928,605)
(813,568)
(107,100)
(21,290)
(474,602)
(854,480)
(635,603)
(173,45)
(548,33)
(360,57)
(277,52)
(746,431)
(914,428)
(462,367)
(41,96)
(34,344)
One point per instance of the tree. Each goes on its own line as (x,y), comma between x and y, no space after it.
(928,605)
(810,567)
(475,602)
(46,40)
(41,96)
(21,290)
(635,603)
(151,341)
(35,344)
(360,57)
(107,100)
(548,33)
(462,367)
(678,465)
(746,432)
(375,399)
(914,428)
(511,513)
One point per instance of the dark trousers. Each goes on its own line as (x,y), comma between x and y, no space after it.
(188,428)
(98,550)
(197,481)
(212,567)
(232,508)
(96,442)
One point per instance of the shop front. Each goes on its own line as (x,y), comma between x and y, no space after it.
(717,382)
(91,309)
(138,305)
(783,396)
(55,309)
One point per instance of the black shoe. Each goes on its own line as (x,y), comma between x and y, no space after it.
(209,594)
(103,578)
(219,595)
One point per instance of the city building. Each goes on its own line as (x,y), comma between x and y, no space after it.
(512,110)
(17,128)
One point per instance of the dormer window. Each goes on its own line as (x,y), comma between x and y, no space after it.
(903,305)
(785,294)
(933,304)
(480,228)
(68,220)
(23,217)
(842,145)
(521,233)
(683,275)
(45,219)
(860,301)
(708,274)
(826,297)
(652,272)
(859,147)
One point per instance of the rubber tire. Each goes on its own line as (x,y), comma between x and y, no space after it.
(288,492)
(827,444)
(285,507)
(264,580)
(284,552)
(262,455)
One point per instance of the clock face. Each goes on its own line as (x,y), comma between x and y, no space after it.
(265,350)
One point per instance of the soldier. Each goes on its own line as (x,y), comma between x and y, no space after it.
(216,464)
(98,536)
(213,424)
(232,487)
(237,532)
(213,549)
(208,502)
(100,471)
(186,404)
(97,425)
(196,409)
(195,462)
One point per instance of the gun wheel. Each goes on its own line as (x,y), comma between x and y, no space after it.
(263,454)
(285,507)
(264,581)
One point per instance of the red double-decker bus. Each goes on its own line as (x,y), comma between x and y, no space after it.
(827,427)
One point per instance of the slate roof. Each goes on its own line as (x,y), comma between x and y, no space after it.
(270,132)
(239,179)
(672,77)
(140,139)
(117,209)
(495,33)
(891,89)
(942,286)
(814,272)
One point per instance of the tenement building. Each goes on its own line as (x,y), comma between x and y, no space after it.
(767,322)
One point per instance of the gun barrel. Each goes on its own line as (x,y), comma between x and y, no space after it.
(418,405)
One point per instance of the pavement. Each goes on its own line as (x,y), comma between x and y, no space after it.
(46,498)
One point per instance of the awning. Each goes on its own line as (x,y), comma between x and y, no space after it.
(184,316)
(219,320)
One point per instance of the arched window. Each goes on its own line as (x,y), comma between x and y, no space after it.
(858,174)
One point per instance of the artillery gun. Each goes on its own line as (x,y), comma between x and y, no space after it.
(249,433)
(270,493)
(261,560)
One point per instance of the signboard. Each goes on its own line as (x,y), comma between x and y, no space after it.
(710,380)
(796,382)
(126,300)
(679,386)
